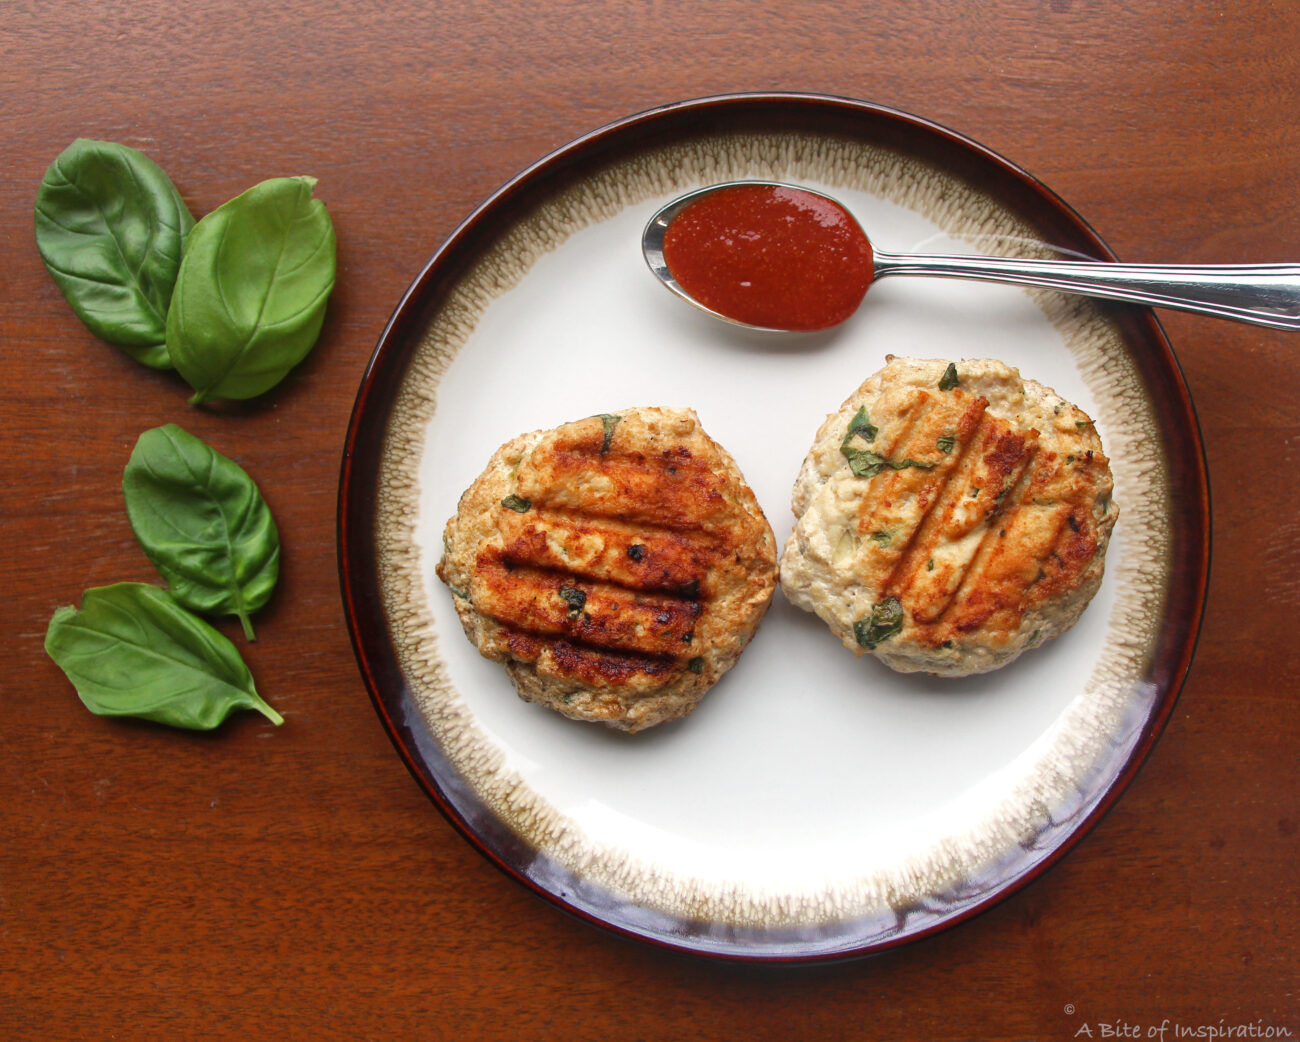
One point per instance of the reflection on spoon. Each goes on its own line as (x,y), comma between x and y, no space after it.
(782,258)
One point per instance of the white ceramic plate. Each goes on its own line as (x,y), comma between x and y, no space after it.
(816,804)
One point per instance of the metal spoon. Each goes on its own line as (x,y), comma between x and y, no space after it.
(1261,294)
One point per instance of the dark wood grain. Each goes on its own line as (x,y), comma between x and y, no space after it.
(294,882)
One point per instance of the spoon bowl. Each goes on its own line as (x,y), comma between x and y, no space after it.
(652,247)
(1260,294)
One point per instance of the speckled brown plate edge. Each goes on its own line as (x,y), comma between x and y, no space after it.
(390,692)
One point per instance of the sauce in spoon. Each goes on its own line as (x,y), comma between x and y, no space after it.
(777,257)
(770,255)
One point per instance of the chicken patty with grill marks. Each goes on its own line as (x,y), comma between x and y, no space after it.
(617,565)
(950,516)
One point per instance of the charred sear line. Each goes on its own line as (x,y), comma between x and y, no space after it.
(944,574)
(1034,547)
(637,557)
(671,489)
(592,665)
(553,604)
(896,495)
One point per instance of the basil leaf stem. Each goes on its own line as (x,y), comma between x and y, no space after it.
(131,650)
(110,226)
(203,523)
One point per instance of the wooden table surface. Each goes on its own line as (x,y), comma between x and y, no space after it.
(258,882)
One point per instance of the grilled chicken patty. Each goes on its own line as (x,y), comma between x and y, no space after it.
(950,516)
(617,565)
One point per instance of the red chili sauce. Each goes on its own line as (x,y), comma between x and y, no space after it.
(770,256)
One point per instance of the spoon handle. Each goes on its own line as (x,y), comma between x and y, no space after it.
(1262,294)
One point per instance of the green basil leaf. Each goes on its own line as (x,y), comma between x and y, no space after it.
(885,620)
(860,424)
(576,599)
(251,293)
(203,523)
(133,651)
(867,464)
(863,462)
(608,422)
(110,226)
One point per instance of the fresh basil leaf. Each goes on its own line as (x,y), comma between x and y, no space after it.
(110,226)
(251,293)
(133,651)
(203,523)
(949,380)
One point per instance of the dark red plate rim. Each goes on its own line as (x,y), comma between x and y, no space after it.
(1056,222)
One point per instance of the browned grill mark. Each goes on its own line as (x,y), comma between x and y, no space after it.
(670,489)
(884,509)
(634,556)
(951,535)
(554,604)
(918,404)
(987,533)
(1037,549)
(592,667)
(615,562)
(1001,581)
